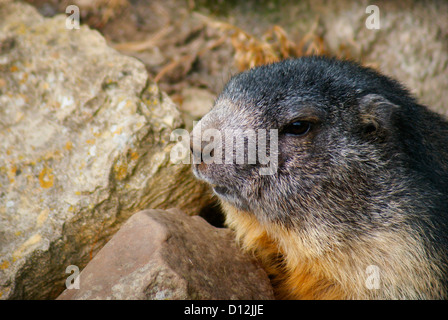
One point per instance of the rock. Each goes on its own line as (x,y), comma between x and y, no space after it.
(160,254)
(197,101)
(84,144)
(410,45)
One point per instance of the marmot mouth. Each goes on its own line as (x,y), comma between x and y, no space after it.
(231,196)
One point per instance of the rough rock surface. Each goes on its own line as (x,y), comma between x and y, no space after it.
(84,143)
(166,254)
(411,44)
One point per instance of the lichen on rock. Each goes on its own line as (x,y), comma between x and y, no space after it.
(84,144)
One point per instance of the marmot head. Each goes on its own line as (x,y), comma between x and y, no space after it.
(349,148)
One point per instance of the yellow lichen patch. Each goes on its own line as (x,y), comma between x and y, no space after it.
(6,290)
(13,69)
(90,141)
(68,146)
(153,89)
(22,28)
(24,78)
(118,131)
(46,179)
(121,171)
(134,155)
(151,101)
(129,104)
(19,116)
(78,193)
(12,173)
(138,125)
(17,233)
(42,218)
(29,178)
(56,154)
(82,165)
(4,265)
(28,243)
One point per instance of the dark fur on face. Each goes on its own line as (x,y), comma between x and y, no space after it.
(372,160)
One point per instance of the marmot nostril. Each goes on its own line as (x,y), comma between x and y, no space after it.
(360,182)
(195,146)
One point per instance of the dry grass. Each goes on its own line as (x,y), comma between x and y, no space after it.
(274,45)
(249,51)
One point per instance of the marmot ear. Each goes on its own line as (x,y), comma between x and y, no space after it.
(376,113)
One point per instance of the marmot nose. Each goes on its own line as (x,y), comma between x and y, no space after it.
(199,165)
(197,146)
(196,149)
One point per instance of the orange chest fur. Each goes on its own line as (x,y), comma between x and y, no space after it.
(291,278)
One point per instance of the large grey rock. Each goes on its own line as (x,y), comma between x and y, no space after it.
(411,44)
(84,143)
(160,254)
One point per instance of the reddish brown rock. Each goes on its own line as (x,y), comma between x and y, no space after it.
(160,254)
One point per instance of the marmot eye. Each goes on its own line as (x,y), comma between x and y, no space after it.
(297,128)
